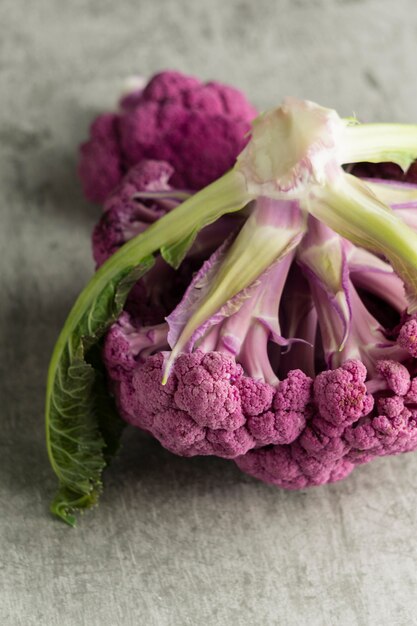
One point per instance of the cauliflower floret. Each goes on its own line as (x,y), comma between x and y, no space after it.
(198,128)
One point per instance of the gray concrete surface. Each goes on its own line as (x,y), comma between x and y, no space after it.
(175,541)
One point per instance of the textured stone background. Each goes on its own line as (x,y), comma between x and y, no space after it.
(174,541)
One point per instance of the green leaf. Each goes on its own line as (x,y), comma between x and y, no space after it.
(175,253)
(110,425)
(82,427)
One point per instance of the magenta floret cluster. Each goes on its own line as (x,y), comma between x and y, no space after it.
(250,390)
(296,434)
(124,216)
(198,128)
(208,405)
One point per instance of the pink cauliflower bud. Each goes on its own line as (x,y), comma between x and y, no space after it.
(208,406)
(408,337)
(198,128)
(318,455)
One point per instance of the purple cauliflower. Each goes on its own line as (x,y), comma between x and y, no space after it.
(277,326)
(277,423)
(198,128)
(233,392)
